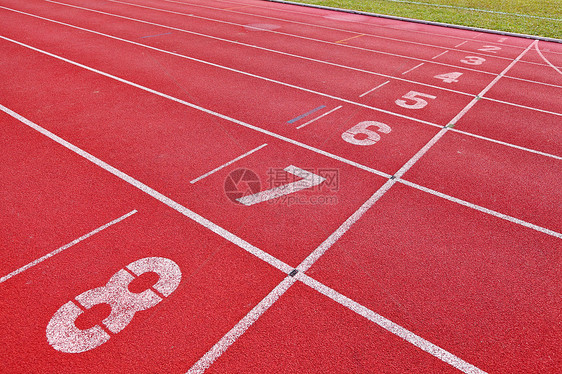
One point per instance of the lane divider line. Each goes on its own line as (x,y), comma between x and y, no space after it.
(372,89)
(348,39)
(439,55)
(152,36)
(345,30)
(320,116)
(390,326)
(430,348)
(545,60)
(66,246)
(306,114)
(230,119)
(415,67)
(264,256)
(227,164)
(272,50)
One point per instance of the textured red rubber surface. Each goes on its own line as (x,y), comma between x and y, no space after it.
(418,230)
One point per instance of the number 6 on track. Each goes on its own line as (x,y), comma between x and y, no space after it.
(360,134)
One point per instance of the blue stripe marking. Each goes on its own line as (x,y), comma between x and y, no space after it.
(150,36)
(306,114)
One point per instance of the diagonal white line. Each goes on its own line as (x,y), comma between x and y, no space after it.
(390,326)
(227,164)
(208,111)
(155,194)
(372,89)
(317,118)
(342,229)
(66,246)
(545,60)
(415,67)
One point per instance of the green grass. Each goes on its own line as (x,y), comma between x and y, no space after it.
(521,23)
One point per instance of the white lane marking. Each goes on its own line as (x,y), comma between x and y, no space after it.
(501,40)
(372,89)
(545,60)
(302,37)
(339,29)
(317,118)
(320,16)
(308,180)
(344,227)
(241,72)
(482,209)
(240,328)
(458,45)
(66,246)
(390,326)
(208,111)
(415,67)
(520,105)
(228,163)
(155,194)
(439,55)
(288,140)
(507,144)
(490,85)
(269,50)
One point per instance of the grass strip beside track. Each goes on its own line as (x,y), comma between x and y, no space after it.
(532,17)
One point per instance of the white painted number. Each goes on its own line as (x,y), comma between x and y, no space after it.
(64,336)
(449,77)
(490,48)
(416,97)
(360,134)
(473,60)
(308,180)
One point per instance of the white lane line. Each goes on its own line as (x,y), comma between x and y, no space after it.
(458,45)
(482,209)
(240,328)
(66,246)
(343,45)
(288,140)
(157,195)
(489,86)
(318,16)
(344,30)
(545,60)
(344,227)
(239,71)
(390,326)
(439,55)
(266,49)
(228,163)
(317,118)
(415,67)
(506,144)
(372,89)
(208,111)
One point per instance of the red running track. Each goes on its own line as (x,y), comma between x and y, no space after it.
(419,232)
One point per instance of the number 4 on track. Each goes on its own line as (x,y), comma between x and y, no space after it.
(449,77)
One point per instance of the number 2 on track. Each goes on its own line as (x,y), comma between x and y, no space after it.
(64,336)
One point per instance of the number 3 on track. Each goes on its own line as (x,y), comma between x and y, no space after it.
(64,336)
